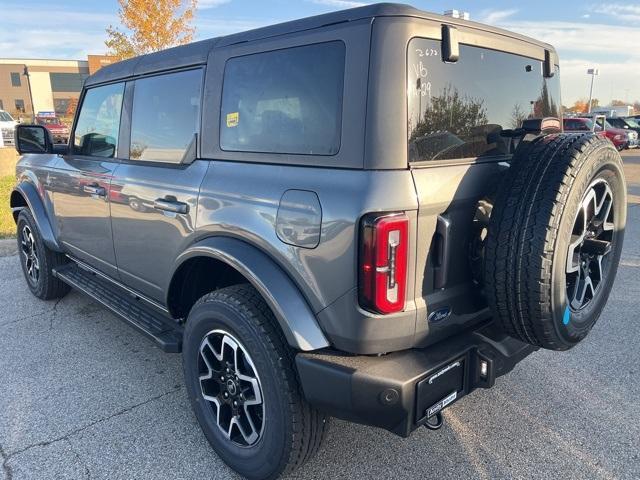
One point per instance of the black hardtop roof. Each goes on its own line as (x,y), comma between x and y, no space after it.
(196,53)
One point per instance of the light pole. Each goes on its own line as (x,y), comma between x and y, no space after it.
(593,72)
(25,72)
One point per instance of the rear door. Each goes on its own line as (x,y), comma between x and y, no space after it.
(82,183)
(459,115)
(155,189)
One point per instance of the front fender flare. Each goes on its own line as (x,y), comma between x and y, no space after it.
(34,202)
(287,303)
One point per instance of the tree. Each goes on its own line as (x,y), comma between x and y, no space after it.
(618,103)
(150,25)
(636,107)
(71,107)
(595,103)
(545,106)
(518,115)
(453,113)
(580,106)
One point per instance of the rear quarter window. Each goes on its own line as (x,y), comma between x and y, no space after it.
(458,110)
(285,101)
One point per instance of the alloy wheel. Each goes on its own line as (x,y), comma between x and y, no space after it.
(30,255)
(230,385)
(591,243)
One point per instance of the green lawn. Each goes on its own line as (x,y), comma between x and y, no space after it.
(7,225)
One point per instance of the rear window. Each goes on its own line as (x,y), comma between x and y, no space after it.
(286,101)
(458,110)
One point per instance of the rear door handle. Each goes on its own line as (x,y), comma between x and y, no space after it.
(95,190)
(443,232)
(171,206)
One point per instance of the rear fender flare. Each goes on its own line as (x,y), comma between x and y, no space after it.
(34,203)
(287,303)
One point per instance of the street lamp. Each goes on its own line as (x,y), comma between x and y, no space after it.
(593,72)
(25,72)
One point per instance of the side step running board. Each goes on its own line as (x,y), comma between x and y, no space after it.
(164,331)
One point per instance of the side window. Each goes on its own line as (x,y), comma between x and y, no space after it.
(98,125)
(165,117)
(459,110)
(15,79)
(285,101)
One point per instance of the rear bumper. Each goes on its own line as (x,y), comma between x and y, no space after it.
(401,390)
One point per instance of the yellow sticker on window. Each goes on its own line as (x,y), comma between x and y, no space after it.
(232,119)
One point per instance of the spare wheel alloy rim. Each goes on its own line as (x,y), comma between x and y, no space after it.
(590,245)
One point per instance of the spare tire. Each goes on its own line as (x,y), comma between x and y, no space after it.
(555,238)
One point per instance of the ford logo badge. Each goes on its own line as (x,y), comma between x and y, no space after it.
(439,315)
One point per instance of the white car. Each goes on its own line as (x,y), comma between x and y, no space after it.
(7,127)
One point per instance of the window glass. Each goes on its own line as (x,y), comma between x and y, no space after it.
(67,82)
(166,114)
(571,124)
(98,124)
(19,105)
(458,110)
(284,101)
(15,79)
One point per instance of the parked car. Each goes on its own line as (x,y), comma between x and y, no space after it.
(329,219)
(621,138)
(624,123)
(7,127)
(618,111)
(618,137)
(59,131)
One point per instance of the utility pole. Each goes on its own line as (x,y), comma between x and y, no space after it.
(33,107)
(593,72)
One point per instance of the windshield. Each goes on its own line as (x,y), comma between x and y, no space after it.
(47,121)
(617,122)
(588,123)
(632,122)
(5,117)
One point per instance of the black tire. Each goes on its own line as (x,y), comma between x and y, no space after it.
(537,235)
(291,430)
(35,256)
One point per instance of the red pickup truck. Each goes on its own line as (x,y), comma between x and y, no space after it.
(59,131)
(618,136)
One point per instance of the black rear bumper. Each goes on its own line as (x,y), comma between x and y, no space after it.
(401,390)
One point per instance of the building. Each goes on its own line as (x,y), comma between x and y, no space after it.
(55,84)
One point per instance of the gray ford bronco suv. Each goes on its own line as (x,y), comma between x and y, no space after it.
(367,214)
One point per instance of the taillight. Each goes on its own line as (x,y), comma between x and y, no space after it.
(383,262)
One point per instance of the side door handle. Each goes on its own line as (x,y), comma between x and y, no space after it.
(95,189)
(172,206)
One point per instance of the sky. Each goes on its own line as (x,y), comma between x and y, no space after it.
(586,34)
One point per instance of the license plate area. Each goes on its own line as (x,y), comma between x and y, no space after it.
(439,389)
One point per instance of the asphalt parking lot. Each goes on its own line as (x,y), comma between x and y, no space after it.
(84,396)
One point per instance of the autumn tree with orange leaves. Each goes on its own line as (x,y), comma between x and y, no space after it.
(580,106)
(150,25)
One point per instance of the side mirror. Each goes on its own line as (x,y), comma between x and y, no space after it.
(33,139)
